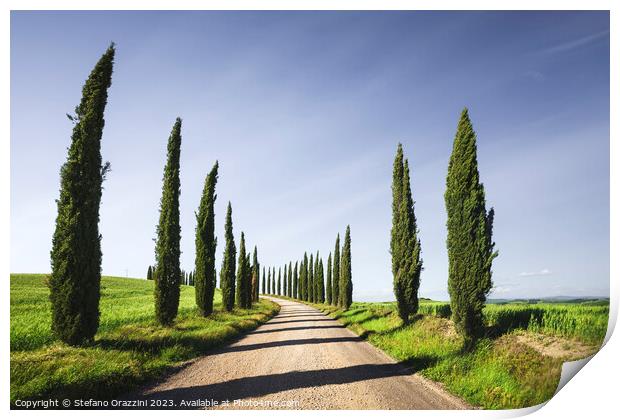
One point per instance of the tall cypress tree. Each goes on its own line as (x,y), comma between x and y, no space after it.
(269,281)
(242,276)
(227,272)
(279,282)
(76,244)
(316,278)
(310,282)
(149,273)
(470,229)
(321,282)
(346,283)
(328,284)
(290,279)
(206,243)
(303,278)
(295,282)
(248,281)
(404,242)
(273,281)
(336,274)
(285,281)
(255,276)
(263,283)
(168,247)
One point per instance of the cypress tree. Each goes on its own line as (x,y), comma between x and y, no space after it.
(346,283)
(269,281)
(321,283)
(279,282)
(149,273)
(310,280)
(316,279)
(263,282)
(290,279)
(274,291)
(227,272)
(168,247)
(295,282)
(404,242)
(285,281)
(470,228)
(248,281)
(336,274)
(242,276)
(206,243)
(303,276)
(255,276)
(328,285)
(76,245)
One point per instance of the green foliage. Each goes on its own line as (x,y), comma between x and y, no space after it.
(303,278)
(227,273)
(255,276)
(346,281)
(328,284)
(290,279)
(404,242)
(206,243)
(129,347)
(168,247)
(470,228)
(149,273)
(243,289)
(295,282)
(269,281)
(285,281)
(264,285)
(336,274)
(310,284)
(274,290)
(315,286)
(279,289)
(321,282)
(76,243)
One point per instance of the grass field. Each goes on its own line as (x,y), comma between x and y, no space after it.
(514,366)
(129,347)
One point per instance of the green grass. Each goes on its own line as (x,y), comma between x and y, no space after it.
(499,373)
(129,347)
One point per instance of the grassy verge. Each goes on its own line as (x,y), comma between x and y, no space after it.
(129,348)
(504,371)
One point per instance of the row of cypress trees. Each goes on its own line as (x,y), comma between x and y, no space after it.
(308,280)
(470,244)
(75,277)
(186,278)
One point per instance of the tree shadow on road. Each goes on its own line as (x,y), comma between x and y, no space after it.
(318,327)
(258,386)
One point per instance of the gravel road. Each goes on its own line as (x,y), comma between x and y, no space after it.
(300,359)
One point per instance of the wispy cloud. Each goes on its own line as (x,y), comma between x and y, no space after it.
(573,44)
(543,272)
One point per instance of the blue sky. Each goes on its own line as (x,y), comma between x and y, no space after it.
(304,110)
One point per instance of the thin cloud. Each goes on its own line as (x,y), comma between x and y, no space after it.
(543,272)
(575,43)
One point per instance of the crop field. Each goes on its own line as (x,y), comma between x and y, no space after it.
(129,347)
(512,367)
(585,321)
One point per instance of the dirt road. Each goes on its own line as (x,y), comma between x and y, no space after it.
(299,359)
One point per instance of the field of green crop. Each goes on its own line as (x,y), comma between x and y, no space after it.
(129,347)
(586,321)
(502,371)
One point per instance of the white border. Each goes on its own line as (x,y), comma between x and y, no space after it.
(591,394)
